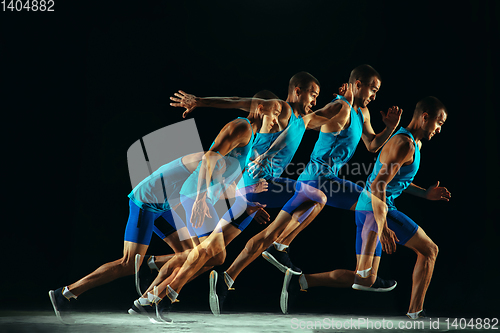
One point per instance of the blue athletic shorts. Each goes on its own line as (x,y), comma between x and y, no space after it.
(403,226)
(340,193)
(279,191)
(140,224)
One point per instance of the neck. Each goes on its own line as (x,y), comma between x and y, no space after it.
(295,107)
(415,130)
(255,122)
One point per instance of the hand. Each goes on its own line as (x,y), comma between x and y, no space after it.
(346,91)
(388,239)
(199,211)
(256,167)
(392,117)
(184,100)
(435,192)
(261,216)
(261,186)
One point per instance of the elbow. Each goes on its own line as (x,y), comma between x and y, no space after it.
(378,187)
(372,149)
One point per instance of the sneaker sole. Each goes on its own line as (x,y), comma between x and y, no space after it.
(376,290)
(136,266)
(213,298)
(52,297)
(284,292)
(159,317)
(269,257)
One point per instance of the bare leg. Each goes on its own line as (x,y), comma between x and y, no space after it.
(260,242)
(427,252)
(200,256)
(339,278)
(110,271)
(178,246)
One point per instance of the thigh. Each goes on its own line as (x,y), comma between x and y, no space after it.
(403,226)
(209,223)
(279,191)
(421,243)
(340,193)
(140,224)
(365,223)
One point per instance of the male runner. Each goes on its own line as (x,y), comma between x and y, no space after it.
(147,205)
(380,226)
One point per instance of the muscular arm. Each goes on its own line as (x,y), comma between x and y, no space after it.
(394,155)
(236,133)
(374,142)
(191,102)
(333,116)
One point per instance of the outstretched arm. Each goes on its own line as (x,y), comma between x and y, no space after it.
(191,102)
(374,142)
(434,192)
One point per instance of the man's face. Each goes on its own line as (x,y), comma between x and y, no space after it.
(432,126)
(306,97)
(367,92)
(271,109)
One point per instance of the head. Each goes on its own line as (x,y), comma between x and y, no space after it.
(430,115)
(266,104)
(303,89)
(366,83)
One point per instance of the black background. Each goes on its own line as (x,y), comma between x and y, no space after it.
(81,84)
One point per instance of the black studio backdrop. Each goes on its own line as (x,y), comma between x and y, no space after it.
(83,83)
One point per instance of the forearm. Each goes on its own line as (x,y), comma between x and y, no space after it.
(416,191)
(331,112)
(241,103)
(205,175)
(380,139)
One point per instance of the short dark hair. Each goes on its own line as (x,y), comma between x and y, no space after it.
(301,80)
(364,73)
(265,94)
(430,105)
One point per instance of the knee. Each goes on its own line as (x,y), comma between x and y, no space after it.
(215,250)
(321,199)
(127,265)
(219,259)
(431,252)
(251,246)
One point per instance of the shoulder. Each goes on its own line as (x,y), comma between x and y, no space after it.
(239,125)
(286,109)
(366,114)
(402,145)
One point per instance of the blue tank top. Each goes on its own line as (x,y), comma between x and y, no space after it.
(160,191)
(227,170)
(277,163)
(334,149)
(398,184)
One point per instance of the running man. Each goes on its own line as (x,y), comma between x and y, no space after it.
(380,226)
(149,209)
